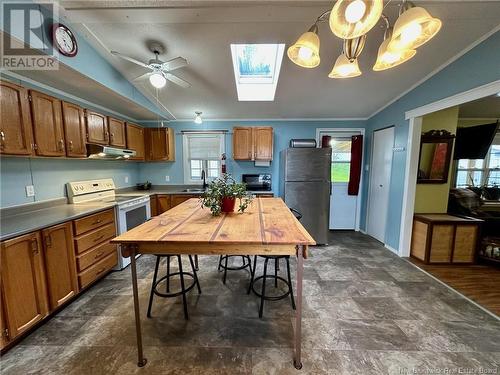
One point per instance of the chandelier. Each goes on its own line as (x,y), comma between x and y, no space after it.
(351,20)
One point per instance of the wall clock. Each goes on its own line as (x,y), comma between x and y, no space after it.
(64,40)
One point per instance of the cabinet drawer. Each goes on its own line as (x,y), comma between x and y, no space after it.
(97,270)
(93,221)
(94,255)
(94,238)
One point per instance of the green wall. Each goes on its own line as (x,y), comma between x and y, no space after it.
(433,198)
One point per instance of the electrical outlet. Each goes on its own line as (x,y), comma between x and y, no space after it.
(167,178)
(126,179)
(30,191)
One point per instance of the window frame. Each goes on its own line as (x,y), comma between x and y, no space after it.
(187,162)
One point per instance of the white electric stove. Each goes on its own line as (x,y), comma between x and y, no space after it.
(131,210)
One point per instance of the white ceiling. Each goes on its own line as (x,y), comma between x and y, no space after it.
(201,31)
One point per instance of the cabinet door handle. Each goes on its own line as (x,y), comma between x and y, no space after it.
(98,255)
(99,238)
(106,135)
(61,144)
(70,145)
(34,246)
(48,240)
(2,139)
(101,270)
(98,221)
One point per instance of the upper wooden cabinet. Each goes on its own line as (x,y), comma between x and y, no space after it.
(48,129)
(253,143)
(60,264)
(74,130)
(97,128)
(116,132)
(135,140)
(23,283)
(242,143)
(160,144)
(15,120)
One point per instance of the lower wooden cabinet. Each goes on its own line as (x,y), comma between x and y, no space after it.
(59,257)
(24,288)
(163,203)
(4,332)
(97,270)
(177,199)
(153,203)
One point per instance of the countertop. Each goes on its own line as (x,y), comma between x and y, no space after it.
(16,221)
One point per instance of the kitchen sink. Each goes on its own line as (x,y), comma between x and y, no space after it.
(193,191)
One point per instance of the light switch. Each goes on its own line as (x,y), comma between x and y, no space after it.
(167,178)
(126,179)
(30,191)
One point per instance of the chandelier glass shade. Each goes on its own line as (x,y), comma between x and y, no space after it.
(157,80)
(305,51)
(414,27)
(352,18)
(344,68)
(389,59)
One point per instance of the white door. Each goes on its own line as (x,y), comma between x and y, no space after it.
(380,178)
(343,207)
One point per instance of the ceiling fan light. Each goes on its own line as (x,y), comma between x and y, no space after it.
(413,28)
(157,80)
(305,51)
(351,19)
(389,59)
(197,118)
(344,68)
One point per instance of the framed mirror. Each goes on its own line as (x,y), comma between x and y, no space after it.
(435,157)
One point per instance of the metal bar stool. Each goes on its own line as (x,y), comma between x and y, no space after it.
(223,260)
(275,277)
(184,290)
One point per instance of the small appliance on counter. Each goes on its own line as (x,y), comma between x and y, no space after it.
(143,186)
(257,182)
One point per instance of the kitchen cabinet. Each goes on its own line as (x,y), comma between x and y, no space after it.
(97,128)
(177,199)
(23,283)
(160,144)
(4,332)
(116,133)
(74,130)
(48,129)
(15,120)
(242,143)
(153,203)
(135,140)
(60,264)
(253,143)
(163,203)
(263,143)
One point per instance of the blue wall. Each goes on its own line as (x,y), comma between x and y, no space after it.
(49,176)
(479,66)
(283,132)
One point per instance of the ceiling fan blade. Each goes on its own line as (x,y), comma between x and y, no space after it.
(142,77)
(173,64)
(178,81)
(132,60)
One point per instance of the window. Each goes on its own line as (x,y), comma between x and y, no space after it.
(479,172)
(256,70)
(202,151)
(341,159)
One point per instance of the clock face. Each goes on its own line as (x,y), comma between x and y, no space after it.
(64,40)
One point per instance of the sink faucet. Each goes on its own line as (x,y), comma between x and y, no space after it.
(204,178)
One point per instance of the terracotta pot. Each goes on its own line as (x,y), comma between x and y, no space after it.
(228,204)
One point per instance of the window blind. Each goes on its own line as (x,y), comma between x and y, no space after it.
(204,146)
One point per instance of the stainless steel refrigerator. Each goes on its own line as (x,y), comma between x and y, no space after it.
(305,186)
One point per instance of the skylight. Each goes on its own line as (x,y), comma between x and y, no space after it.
(256,70)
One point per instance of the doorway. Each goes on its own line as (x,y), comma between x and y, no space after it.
(380,178)
(344,208)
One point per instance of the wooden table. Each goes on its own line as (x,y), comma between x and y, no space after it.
(266,228)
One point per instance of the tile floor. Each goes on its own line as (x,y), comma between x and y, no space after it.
(365,312)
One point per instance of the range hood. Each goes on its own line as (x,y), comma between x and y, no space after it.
(95,151)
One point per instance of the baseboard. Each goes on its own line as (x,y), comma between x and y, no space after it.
(391,249)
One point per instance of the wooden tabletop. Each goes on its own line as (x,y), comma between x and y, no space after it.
(267,225)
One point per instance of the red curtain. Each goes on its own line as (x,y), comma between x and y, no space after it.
(355,172)
(325,141)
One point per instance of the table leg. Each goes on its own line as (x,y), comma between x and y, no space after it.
(297,361)
(141,361)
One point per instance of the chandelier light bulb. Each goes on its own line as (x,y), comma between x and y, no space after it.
(355,11)
(305,53)
(157,80)
(410,33)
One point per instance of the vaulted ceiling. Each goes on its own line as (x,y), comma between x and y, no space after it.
(202,31)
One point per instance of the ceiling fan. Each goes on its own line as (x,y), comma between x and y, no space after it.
(160,71)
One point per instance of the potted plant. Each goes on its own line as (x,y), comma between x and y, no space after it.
(222,193)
